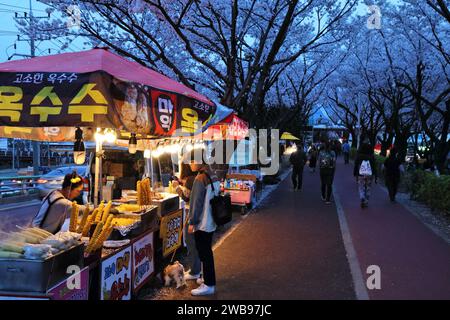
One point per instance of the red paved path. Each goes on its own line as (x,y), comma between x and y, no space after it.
(414,262)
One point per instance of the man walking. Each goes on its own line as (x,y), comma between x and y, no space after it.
(298,160)
(346,151)
(327,163)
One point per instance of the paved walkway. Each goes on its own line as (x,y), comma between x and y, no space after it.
(414,262)
(293,248)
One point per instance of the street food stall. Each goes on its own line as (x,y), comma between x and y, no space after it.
(113,247)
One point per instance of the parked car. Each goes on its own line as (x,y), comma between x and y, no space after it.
(54,179)
(6,191)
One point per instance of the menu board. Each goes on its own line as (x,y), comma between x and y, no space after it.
(143,262)
(116,276)
(171,231)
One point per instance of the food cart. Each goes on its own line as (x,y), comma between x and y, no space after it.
(98,96)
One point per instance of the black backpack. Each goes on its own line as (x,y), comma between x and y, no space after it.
(220,206)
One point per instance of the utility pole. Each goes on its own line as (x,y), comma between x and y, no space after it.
(32,38)
(36,144)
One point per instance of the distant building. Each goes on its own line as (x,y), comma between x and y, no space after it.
(320,126)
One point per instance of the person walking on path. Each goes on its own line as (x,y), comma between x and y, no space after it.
(392,167)
(364,172)
(201,223)
(327,164)
(298,160)
(346,151)
(312,155)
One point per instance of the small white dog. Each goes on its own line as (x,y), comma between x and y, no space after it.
(174,272)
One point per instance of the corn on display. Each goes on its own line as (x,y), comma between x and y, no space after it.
(106,212)
(12,246)
(94,237)
(41,232)
(109,221)
(10,255)
(128,207)
(139,193)
(94,215)
(106,232)
(30,236)
(122,220)
(87,226)
(83,219)
(144,193)
(15,245)
(73,217)
(98,217)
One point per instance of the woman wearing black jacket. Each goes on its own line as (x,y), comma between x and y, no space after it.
(392,173)
(365,170)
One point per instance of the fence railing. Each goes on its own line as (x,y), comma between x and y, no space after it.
(18,185)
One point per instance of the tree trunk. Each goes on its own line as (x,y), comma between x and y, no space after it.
(401,143)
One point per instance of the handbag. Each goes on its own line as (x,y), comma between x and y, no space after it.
(220,206)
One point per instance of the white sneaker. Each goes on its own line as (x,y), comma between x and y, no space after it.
(203,290)
(188,276)
(200,281)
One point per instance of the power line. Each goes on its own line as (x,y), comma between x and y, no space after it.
(11,6)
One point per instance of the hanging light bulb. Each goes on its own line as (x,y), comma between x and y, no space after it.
(156,153)
(132,144)
(174,148)
(110,136)
(79,150)
(147,154)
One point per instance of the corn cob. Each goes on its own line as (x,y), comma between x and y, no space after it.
(139,193)
(106,212)
(94,237)
(42,232)
(12,246)
(94,215)
(83,219)
(98,218)
(73,217)
(10,255)
(87,226)
(109,220)
(149,191)
(30,237)
(15,236)
(102,238)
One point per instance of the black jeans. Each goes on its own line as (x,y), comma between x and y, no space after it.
(203,242)
(346,157)
(297,177)
(326,179)
(392,186)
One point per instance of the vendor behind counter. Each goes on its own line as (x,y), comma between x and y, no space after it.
(56,207)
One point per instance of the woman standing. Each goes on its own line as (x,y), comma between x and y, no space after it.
(392,173)
(327,163)
(364,171)
(184,187)
(201,223)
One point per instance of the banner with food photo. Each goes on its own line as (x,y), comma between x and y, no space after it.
(98,89)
